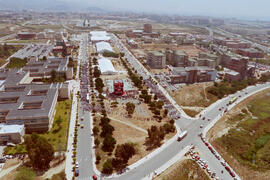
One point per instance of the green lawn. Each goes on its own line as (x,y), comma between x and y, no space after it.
(16,63)
(58,134)
(249,141)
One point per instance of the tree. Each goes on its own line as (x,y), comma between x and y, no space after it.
(130,107)
(107,167)
(159,104)
(166,112)
(53,74)
(155,136)
(95,130)
(118,164)
(97,72)
(39,150)
(108,143)
(107,129)
(168,128)
(125,151)
(44,58)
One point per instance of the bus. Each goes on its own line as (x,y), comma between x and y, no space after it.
(182,135)
(232,100)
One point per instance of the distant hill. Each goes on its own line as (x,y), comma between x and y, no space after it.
(46,5)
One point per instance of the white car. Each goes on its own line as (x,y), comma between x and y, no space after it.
(77,164)
(201,126)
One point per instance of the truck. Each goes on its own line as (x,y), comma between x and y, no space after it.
(182,135)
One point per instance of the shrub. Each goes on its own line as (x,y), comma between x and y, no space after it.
(107,167)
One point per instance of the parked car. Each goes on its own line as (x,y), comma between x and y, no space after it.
(76,172)
(94,177)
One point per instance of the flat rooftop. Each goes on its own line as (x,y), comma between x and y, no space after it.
(5,129)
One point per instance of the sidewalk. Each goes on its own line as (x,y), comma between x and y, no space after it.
(68,169)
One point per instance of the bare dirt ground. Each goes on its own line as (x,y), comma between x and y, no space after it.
(191,95)
(178,171)
(139,120)
(191,50)
(222,127)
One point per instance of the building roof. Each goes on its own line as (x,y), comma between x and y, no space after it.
(180,53)
(156,53)
(103,46)
(99,36)
(233,73)
(137,31)
(5,129)
(106,66)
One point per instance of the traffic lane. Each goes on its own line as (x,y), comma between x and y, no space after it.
(156,161)
(84,146)
(212,162)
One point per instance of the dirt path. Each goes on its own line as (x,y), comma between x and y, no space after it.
(54,170)
(193,108)
(8,170)
(128,124)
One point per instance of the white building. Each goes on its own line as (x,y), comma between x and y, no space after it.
(11,133)
(106,67)
(102,47)
(98,36)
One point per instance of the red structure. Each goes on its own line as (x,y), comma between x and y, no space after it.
(26,35)
(118,87)
(147,28)
(252,53)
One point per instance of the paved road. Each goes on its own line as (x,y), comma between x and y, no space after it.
(85,144)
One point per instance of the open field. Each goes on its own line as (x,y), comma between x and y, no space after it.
(193,95)
(183,170)
(191,50)
(242,137)
(38,28)
(26,41)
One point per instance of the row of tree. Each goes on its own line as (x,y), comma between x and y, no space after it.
(225,88)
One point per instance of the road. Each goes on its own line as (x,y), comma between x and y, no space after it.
(85,144)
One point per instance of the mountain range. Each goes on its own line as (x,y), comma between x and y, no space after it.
(46,5)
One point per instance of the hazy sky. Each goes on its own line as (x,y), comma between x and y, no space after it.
(228,8)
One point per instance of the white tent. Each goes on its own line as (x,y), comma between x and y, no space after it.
(103,47)
(106,66)
(97,36)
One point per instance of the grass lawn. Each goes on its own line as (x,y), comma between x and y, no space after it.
(183,170)
(16,63)
(58,134)
(249,141)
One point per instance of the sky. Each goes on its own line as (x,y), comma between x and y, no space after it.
(222,8)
